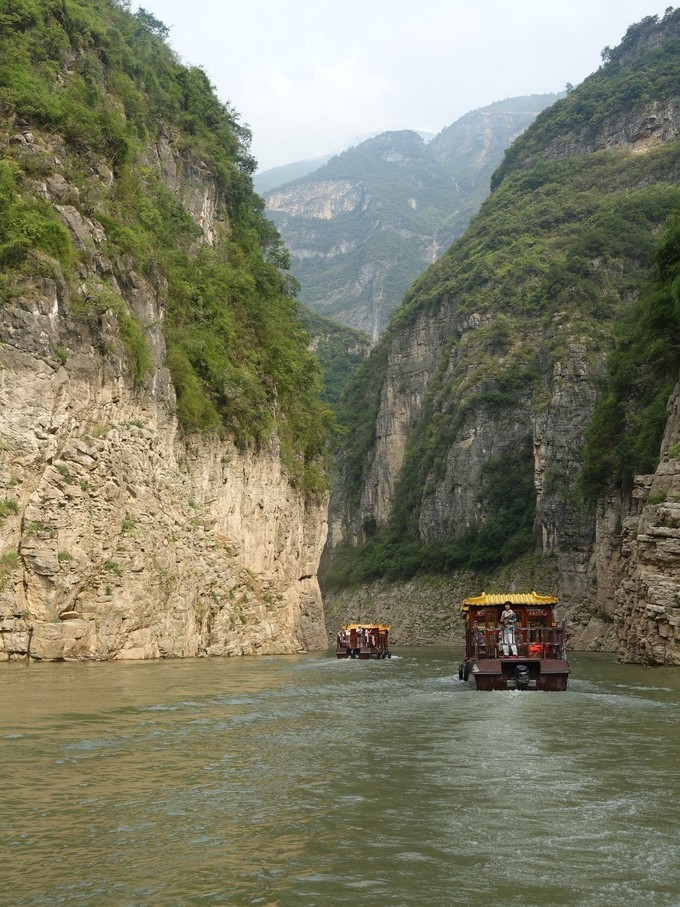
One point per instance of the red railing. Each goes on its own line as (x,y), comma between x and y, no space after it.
(531,642)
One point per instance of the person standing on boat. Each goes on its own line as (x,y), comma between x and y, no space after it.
(508,621)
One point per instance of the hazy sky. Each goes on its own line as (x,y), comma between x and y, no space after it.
(310,77)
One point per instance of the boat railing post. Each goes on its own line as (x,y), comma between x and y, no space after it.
(562,640)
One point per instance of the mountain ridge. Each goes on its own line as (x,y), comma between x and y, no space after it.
(361,227)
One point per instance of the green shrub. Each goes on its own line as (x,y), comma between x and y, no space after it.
(65,474)
(132,335)
(657,498)
(9,561)
(9,505)
(28,224)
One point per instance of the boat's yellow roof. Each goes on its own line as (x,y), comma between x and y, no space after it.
(366,625)
(515,598)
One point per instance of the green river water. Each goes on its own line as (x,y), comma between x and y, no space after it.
(306,780)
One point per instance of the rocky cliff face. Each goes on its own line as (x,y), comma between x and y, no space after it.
(474,144)
(122,538)
(647,594)
(320,199)
(411,365)
(659,123)
(555,430)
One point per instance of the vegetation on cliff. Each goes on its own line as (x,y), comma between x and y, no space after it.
(637,77)
(100,88)
(339,349)
(630,417)
(543,281)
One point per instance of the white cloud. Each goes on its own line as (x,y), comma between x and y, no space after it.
(325,107)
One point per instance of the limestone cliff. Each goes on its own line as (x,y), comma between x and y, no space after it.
(123,537)
(647,595)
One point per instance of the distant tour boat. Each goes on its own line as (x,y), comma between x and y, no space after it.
(363,641)
(512,642)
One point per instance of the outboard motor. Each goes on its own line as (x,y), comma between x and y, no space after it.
(522,677)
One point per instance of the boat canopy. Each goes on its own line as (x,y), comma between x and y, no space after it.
(366,626)
(515,598)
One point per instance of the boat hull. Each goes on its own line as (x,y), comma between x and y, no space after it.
(547,674)
(362,654)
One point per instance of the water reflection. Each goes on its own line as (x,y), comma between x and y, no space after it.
(312,781)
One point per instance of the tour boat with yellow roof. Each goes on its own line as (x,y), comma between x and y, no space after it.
(514,642)
(365,640)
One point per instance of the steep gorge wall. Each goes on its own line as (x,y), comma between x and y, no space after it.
(122,537)
(646,608)
(556,429)
(614,565)
(615,569)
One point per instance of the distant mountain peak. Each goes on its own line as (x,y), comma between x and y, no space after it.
(366,222)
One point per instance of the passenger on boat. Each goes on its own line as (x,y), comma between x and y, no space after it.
(508,620)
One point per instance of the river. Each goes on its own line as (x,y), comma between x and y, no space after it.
(305,780)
